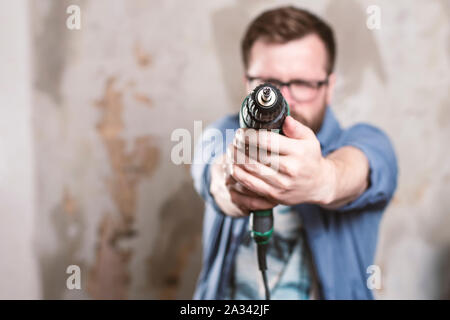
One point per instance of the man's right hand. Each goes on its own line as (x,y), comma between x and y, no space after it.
(232,197)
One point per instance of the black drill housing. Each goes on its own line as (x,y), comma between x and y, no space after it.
(256,115)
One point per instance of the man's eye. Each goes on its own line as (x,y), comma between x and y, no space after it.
(304,85)
(274,82)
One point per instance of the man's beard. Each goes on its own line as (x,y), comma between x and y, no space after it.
(316,123)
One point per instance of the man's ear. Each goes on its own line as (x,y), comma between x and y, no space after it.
(330,87)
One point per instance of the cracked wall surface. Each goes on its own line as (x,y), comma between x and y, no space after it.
(105,100)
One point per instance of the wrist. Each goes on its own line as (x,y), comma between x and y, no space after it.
(328,182)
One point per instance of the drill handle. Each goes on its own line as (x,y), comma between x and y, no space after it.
(262,226)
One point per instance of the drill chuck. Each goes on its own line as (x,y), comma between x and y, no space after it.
(264,108)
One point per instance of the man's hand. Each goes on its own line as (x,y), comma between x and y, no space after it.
(295,171)
(233,198)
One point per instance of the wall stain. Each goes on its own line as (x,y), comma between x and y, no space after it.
(143,58)
(109,278)
(420,192)
(396,200)
(144,99)
(228,26)
(441,268)
(51,47)
(67,222)
(178,237)
(357,53)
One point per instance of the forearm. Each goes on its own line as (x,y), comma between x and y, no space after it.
(348,177)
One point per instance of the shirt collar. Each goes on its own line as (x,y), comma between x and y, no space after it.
(329,130)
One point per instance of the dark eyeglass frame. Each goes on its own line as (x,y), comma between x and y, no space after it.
(312,84)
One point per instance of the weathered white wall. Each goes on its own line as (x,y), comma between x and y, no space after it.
(18,264)
(105,100)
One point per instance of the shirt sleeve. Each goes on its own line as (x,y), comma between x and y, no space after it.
(383,169)
(213,143)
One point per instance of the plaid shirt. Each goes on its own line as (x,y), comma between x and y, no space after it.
(288,271)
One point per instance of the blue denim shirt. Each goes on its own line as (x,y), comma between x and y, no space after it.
(342,242)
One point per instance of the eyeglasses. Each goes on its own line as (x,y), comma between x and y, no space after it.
(300,90)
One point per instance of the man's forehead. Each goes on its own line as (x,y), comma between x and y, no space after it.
(305,57)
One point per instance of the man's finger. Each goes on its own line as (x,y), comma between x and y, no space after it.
(241,189)
(269,172)
(246,203)
(263,139)
(263,142)
(296,130)
(253,183)
(275,162)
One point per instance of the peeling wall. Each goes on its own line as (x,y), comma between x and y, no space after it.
(105,100)
(111,201)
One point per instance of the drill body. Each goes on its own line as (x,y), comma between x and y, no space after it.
(264,108)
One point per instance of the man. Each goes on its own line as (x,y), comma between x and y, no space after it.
(328,194)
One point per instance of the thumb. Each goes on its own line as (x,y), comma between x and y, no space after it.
(296,130)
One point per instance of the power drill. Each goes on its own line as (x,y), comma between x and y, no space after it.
(264,108)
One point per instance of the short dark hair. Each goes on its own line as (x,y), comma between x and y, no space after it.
(285,24)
